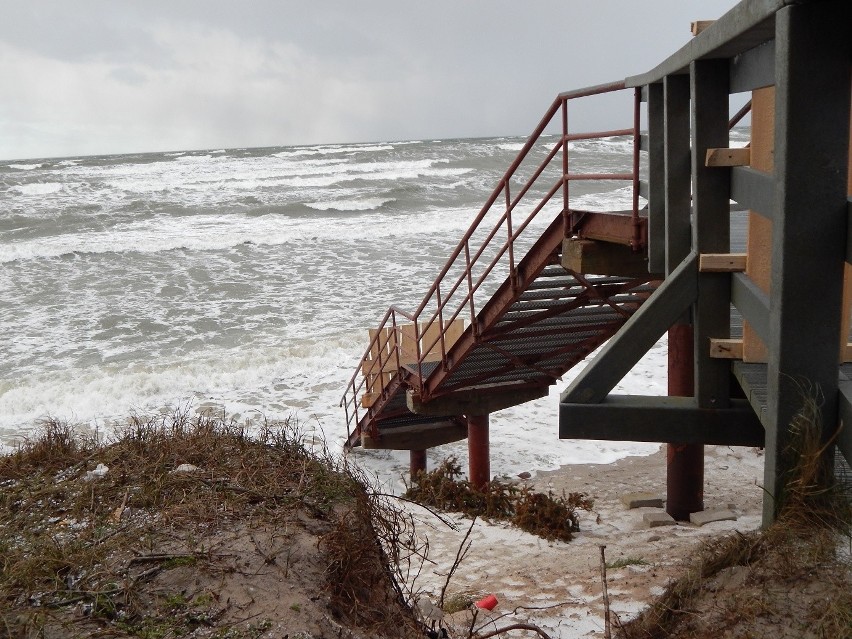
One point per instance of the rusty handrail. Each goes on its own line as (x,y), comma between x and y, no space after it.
(448,298)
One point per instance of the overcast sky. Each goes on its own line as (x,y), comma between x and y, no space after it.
(90,77)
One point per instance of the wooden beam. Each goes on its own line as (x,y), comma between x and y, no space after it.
(722,348)
(727,157)
(368,399)
(697,26)
(477,401)
(603,258)
(759,239)
(661,419)
(722,262)
(416,437)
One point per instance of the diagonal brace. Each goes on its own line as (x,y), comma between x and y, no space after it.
(644,328)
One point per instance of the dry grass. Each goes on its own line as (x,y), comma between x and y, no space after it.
(145,550)
(790,581)
(542,514)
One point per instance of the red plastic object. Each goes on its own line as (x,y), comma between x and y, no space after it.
(487,602)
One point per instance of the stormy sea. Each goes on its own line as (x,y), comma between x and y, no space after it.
(244,281)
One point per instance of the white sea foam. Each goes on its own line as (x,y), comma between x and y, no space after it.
(37,188)
(214,232)
(25,167)
(367,204)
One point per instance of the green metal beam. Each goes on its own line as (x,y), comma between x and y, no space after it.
(661,419)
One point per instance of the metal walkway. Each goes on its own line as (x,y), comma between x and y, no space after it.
(507,315)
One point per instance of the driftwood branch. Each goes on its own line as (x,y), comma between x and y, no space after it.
(517,626)
(607,628)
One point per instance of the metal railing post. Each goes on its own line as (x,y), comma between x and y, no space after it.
(510,239)
(566,211)
(636,242)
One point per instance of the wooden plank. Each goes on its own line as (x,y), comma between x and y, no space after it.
(661,419)
(368,399)
(759,237)
(697,26)
(727,157)
(725,348)
(722,262)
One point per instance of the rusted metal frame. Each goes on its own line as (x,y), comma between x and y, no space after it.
(497,388)
(518,232)
(545,200)
(593,135)
(529,267)
(578,302)
(513,237)
(509,230)
(355,387)
(441,333)
(509,334)
(470,287)
(577,327)
(463,243)
(520,362)
(601,294)
(581,348)
(572,177)
(739,115)
(566,208)
(485,376)
(597,89)
(637,243)
(590,343)
(389,390)
(561,102)
(486,208)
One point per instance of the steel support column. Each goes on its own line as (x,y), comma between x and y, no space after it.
(809,226)
(417,463)
(479,462)
(684,462)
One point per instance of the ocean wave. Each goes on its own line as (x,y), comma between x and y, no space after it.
(25,167)
(334,149)
(615,144)
(367,204)
(38,188)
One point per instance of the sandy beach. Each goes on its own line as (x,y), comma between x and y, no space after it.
(557,585)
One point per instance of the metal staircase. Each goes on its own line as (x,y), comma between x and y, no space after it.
(509,313)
